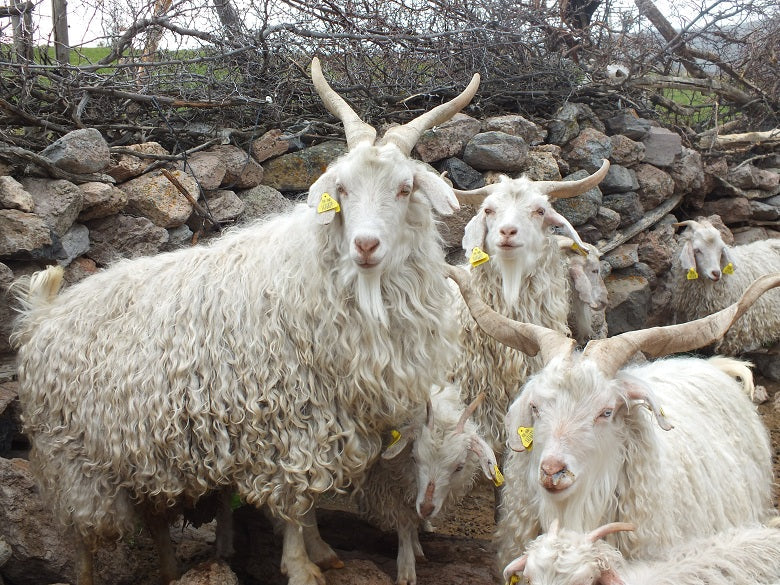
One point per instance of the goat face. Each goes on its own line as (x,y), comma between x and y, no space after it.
(373,186)
(586,275)
(705,251)
(577,419)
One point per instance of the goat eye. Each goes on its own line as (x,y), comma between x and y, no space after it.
(534,410)
(459,468)
(488,211)
(606,413)
(341,191)
(540,211)
(404,191)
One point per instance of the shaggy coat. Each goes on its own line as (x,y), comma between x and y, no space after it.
(246,363)
(599,454)
(713,289)
(748,555)
(527,284)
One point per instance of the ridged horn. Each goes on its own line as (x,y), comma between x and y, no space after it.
(566,189)
(611,354)
(406,136)
(528,338)
(611,528)
(469,411)
(355,130)
(475,196)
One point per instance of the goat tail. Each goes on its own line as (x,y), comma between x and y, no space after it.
(33,293)
(737,369)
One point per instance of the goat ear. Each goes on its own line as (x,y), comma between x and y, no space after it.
(475,233)
(516,567)
(581,283)
(400,439)
(688,259)
(326,184)
(487,459)
(436,190)
(553,218)
(638,390)
(609,577)
(728,259)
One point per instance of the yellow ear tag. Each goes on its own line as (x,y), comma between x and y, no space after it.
(499,480)
(577,248)
(514,579)
(328,203)
(692,274)
(478,257)
(396,437)
(526,436)
(728,268)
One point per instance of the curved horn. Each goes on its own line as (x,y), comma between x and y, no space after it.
(355,129)
(475,196)
(528,338)
(566,189)
(610,354)
(687,223)
(607,529)
(406,136)
(469,411)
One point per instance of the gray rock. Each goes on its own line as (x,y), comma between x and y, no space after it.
(462,175)
(127,166)
(657,247)
(627,205)
(124,236)
(208,573)
(241,170)
(73,244)
(22,232)
(296,171)
(208,167)
(589,233)
(496,151)
(625,151)
(662,147)
(730,209)
(627,123)
(101,200)
(271,144)
(581,208)
(588,150)
(57,202)
(606,221)
(516,125)
(622,256)
(564,126)
(13,195)
(619,179)
(225,205)
(178,237)
(156,198)
(542,166)
(688,171)
(262,201)
(655,186)
(448,139)
(81,151)
(7,315)
(751,177)
(768,364)
(629,298)
(763,212)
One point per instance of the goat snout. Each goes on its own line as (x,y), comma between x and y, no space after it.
(508,231)
(554,475)
(427,507)
(366,246)
(715,275)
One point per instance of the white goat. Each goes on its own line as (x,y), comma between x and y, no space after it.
(524,279)
(271,361)
(428,468)
(588,293)
(584,450)
(748,555)
(710,275)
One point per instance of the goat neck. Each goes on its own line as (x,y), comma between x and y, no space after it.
(526,337)
(404,137)
(611,354)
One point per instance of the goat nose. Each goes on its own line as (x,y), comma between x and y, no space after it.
(553,466)
(426,508)
(715,275)
(507,231)
(366,245)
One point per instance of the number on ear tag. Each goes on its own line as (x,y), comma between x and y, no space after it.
(526,436)
(328,203)
(478,256)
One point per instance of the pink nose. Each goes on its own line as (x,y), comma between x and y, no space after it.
(715,275)
(366,246)
(426,508)
(508,231)
(552,466)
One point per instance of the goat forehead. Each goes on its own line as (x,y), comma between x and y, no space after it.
(578,387)
(375,168)
(708,237)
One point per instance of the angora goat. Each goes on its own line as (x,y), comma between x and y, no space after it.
(595,441)
(588,292)
(748,555)
(710,275)
(427,470)
(524,279)
(271,361)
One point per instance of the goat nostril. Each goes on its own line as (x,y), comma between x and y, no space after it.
(508,231)
(366,246)
(426,510)
(553,467)
(716,275)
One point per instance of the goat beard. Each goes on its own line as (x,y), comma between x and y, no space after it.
(368,292)
(513,272)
